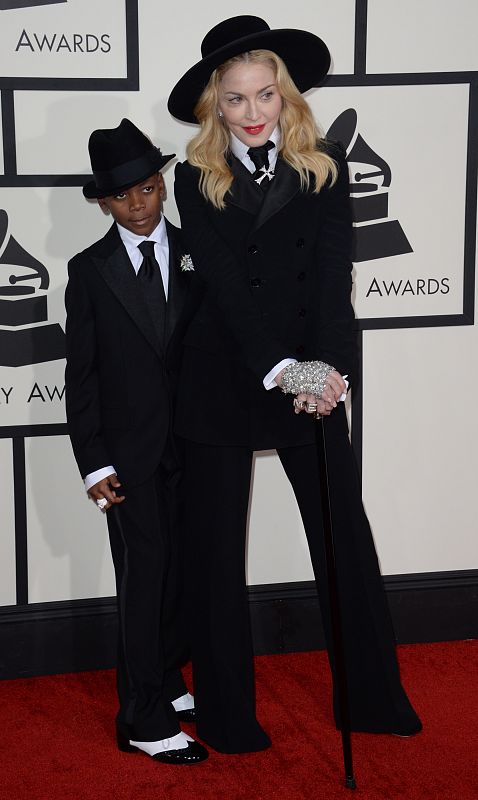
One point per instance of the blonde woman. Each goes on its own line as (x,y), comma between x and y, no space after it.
(264,206)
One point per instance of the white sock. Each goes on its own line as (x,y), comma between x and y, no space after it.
(177,742)
(184,703)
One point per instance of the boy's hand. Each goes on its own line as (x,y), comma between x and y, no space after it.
(107,489)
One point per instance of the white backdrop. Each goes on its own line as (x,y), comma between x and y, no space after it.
(419,383)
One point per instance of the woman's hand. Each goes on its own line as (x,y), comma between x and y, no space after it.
(312,405)
(335,387)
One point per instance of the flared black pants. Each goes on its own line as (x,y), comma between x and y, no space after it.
(217,483)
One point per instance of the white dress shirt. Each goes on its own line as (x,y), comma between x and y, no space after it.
(161,250)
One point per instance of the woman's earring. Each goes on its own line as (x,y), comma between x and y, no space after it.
(220,114)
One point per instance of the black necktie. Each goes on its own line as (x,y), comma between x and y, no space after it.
(149,275)
(149,264)
(260,158)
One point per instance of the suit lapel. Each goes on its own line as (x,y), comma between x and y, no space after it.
(117,271)
(247,195)
(284,186)
(243,193)
(177,282)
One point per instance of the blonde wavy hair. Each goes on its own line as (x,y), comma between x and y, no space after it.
(301,146)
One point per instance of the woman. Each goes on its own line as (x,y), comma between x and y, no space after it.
(269,231)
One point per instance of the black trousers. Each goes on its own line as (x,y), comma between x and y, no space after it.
(217,481)
(151,644)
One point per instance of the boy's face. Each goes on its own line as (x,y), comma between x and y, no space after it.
(138,208)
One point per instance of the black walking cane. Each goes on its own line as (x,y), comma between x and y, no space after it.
(334,600)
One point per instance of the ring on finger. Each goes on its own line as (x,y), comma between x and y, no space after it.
(311,408)
(102,503)
(298,403)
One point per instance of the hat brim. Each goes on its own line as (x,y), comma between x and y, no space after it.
(142,170)
(306,56)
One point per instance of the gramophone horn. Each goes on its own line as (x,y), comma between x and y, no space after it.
(22,304)
(344,130)
(15,255)
(375,166)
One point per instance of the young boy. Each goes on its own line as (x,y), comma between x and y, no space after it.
(124,301)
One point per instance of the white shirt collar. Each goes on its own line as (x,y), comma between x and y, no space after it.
(159,235)
(161,248)
(239,149)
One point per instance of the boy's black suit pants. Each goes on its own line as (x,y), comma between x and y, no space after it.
(151,638)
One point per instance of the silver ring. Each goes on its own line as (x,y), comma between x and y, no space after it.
(298,403)
(102,503)
(312,407)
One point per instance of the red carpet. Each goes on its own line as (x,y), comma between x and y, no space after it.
(57,739)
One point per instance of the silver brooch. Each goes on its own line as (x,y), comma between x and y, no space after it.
(267,172)
(186,263)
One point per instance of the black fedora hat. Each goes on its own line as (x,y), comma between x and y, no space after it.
(306,56)
(120,158)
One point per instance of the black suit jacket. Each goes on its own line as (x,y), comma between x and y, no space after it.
(119,380)
(276,281)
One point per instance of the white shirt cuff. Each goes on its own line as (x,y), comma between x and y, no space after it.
(269,380)
(347,384)
(98,475)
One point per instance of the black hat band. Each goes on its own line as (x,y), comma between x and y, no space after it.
(127,173)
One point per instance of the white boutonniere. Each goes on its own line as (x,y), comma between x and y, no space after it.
(186,263)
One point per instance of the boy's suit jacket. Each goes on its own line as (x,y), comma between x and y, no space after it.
(119,380)
(276,275)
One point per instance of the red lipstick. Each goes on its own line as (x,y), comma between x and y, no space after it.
(254,130)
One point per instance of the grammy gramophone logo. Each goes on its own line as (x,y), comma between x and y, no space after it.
(5,4)
(25,338)
(375,234)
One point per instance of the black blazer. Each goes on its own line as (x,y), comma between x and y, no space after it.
(119,380)
(275,273)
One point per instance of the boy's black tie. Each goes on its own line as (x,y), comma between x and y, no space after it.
(149,274)
(149,264)
(260,158)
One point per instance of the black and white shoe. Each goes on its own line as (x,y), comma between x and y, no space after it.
(184,708)
(179,749)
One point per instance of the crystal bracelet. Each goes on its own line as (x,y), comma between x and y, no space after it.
(308,377)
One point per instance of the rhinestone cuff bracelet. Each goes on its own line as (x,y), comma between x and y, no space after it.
(305,376)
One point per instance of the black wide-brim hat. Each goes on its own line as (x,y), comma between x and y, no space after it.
(120,158)
(306,56)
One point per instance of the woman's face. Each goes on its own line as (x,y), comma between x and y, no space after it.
(250,101)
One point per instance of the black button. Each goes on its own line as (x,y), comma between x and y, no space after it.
(253,250)
(299,349)
(301,276)
(300,243)
(256,283)
(302,312)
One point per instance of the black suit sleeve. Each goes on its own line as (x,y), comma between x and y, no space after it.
(336,333)
(81,376)
(218,267)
